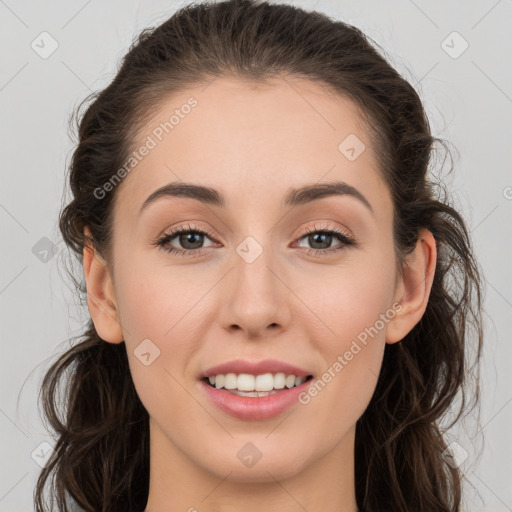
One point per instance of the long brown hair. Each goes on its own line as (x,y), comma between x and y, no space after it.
(101,458)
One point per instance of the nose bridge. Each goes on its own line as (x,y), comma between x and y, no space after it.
(256,297)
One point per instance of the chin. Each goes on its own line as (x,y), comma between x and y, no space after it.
(257,460)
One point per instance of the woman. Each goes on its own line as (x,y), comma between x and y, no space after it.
(280,304)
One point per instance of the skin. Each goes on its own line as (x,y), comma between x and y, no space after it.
(252,143)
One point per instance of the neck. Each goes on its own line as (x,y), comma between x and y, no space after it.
(177,483)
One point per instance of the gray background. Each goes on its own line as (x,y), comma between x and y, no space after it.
(468,98)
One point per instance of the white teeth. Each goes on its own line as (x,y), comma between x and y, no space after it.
(231,381)
(245,382)
(279,380)
(264,383)
(290,381)
(219,381)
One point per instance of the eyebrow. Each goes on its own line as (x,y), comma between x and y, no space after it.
(294,197)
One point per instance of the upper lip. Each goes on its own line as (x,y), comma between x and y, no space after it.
(255,368)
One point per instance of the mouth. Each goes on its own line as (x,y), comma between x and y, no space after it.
(254,397)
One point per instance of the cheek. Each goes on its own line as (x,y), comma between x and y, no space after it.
(158,367)
(349,299)
(162,331)
(159,301)
(356,308)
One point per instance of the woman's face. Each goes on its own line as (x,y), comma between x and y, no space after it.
(267,282)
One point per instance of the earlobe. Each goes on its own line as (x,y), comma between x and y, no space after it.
(100,295)
(415,284)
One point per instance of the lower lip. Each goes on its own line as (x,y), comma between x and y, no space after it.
(254,408)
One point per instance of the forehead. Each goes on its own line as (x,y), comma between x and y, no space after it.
(242,137)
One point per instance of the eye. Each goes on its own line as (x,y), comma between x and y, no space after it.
(189,237)
(321,238)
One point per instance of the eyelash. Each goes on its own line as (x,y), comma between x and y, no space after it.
(339,234)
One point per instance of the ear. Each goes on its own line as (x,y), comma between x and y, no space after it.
(413,287)
(100,295)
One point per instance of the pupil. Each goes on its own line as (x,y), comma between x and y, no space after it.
(312,237)
(184,240)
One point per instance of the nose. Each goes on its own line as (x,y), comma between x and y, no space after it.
(257,298)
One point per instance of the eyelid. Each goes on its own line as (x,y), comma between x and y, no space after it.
(327,227)
(189,226)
